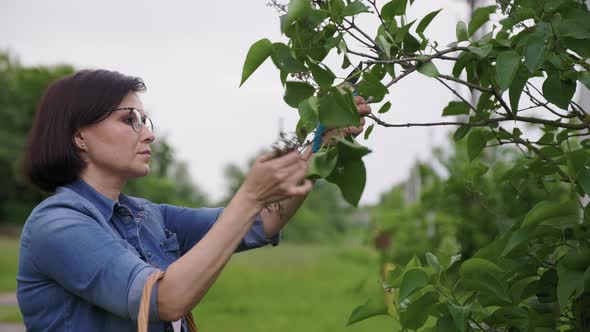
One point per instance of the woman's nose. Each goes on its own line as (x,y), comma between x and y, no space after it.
(147,135)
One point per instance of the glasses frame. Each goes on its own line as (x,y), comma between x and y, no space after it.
(142,121)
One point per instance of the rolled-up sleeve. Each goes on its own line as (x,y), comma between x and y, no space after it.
(191,225)
(72,249)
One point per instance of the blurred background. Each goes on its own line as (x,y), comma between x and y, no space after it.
(422,192)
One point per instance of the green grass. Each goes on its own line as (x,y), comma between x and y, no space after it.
(285,288)
(293,288)
(8,263)
(10,314)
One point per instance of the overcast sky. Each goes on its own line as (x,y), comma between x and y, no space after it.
(190,54)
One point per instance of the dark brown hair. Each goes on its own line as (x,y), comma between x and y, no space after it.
(51,157)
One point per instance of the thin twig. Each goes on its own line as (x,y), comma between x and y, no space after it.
(348,50)
(470,85)
(456,93)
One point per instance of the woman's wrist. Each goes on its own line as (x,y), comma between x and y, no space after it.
(247,200)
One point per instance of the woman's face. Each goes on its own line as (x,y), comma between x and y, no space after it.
(113,147)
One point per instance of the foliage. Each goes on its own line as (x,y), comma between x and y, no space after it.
(535,275)
(22,89)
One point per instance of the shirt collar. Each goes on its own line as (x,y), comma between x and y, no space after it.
(104,204)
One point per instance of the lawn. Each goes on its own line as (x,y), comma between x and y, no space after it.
(285,288)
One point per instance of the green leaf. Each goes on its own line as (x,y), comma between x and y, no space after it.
(426,21)
(428,69)
(336,8)
(401,33)
(570,283)
(393,8)
(523,288)
(350,177)
(433,262)
(481,52)
(350,149)
(557,91)
(297,9)
(476,142)
(323,163)
(296,92)
(369,130)
(458,313)
(506,66)
(371,308)
(384,44)
(480,17)
(355,7)
(584,77)
(574,28)
(411,44)
(516,87)
(446,324)
(308,117)
(285,61)
(461,31)
(461,132)
(584,180)
(413,280)
(338,109)
(546,210)
(385,108)
(417,311)
(517,238)
(371,86)
(534,52)
(484,276)
(414,262)
(257,53)
(510,316)
(456,108)
(322,76)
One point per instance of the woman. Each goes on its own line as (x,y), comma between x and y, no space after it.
(87,251)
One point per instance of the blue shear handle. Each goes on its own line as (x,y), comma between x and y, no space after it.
(319,132)
(317,140)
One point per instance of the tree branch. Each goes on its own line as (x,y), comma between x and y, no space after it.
(483,123)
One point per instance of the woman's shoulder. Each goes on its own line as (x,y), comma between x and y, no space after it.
(64,204)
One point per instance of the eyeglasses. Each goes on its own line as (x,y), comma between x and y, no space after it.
(136,121)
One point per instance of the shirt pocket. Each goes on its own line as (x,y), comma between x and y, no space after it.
(170,246)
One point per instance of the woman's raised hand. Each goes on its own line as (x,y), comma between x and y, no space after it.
(273,179)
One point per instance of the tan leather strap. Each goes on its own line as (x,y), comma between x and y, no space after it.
(144,305)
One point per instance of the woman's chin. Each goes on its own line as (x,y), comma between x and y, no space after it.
(140,172)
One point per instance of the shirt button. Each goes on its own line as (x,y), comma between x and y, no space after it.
(140,213)
(138,220)
(126,218)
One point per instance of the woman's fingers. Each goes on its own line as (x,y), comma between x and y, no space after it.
(363,108)
(306,154)
(265,157)
(287,159)
(302,189)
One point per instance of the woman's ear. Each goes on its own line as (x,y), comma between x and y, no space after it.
(79,140)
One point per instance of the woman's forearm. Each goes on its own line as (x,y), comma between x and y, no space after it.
(188,279)
(275,218)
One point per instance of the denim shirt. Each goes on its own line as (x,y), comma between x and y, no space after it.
(84,258)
